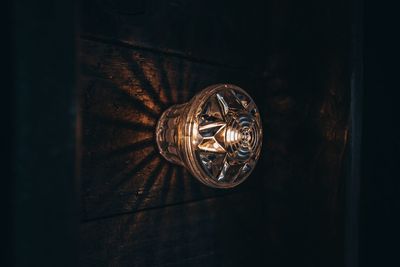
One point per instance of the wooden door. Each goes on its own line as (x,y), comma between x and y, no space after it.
(139,57)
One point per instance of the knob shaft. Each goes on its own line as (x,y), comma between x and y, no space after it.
(217,135)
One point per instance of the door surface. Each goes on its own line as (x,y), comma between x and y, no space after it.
(139,57)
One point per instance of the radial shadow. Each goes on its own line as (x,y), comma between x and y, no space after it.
(148,142)
(164,81)
(112,144)
(179,85)
(121,123)
(138,104)
(168,182)
(145,83)
(107,203)
(137,167)
(148,184)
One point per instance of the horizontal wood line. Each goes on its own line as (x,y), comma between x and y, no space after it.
(173,53)
(89,76)
(159,207)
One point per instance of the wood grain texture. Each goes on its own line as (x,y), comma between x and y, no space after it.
(226,32)
(215,232)
(292,205)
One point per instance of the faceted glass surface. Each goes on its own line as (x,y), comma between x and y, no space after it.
(217,135)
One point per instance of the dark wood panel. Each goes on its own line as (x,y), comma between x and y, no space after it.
(220,31)
(217,232)
(124,93)
(307,102)
(297,189)
(305,122)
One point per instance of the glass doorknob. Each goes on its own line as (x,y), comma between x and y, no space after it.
(217,135)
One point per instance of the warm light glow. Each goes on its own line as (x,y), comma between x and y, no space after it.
(217,135)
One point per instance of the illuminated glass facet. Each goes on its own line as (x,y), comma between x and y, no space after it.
(217,135)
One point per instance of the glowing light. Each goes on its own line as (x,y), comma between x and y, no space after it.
(223,143)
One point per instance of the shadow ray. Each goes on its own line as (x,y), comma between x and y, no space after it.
(187,80)
(136,216)
(180,78)
(125,149)
(138,166)
(164,79)
(138,104)
(106,203)
(165,217)
(133,125)
(167,182)
(149,182)
(190,91)
(137,70)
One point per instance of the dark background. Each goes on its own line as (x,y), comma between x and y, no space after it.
(380,188)
(91,78)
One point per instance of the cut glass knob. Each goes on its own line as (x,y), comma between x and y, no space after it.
(217,135)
